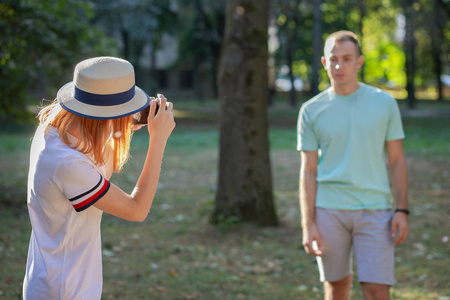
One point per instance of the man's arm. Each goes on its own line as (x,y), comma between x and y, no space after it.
(308,187)
(399,179)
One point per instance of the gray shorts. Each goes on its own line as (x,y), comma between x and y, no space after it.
(367,234)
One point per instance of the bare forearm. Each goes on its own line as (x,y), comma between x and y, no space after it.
(147,183)
(399,177)
(135,207)
(308,186)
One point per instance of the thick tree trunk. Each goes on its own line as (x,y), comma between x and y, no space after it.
(244,184)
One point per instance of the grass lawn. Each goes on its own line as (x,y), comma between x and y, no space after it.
(177,254)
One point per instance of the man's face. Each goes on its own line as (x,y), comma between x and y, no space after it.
(342,62)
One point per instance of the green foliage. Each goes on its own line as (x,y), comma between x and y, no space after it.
(295,20)
(376,23)
(200,34)
(138,26)
(383,57)
(202,31)
(40,43)
(141,22)
(431,21)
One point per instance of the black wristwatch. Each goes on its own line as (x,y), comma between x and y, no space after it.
(402,210)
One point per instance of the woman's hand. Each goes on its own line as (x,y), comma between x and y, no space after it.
(136,206)
(162,123)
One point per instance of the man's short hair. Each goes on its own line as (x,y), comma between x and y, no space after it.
(345,35)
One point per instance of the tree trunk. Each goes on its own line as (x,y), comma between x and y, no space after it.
(126,43)
(244,184)
(290,61)
(153,86)
(214,46)
(198,80)
(291,34)
(436,40)
(317,48)
(408,48)
(362,14)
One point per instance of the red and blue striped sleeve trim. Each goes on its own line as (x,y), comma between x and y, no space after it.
(85,200)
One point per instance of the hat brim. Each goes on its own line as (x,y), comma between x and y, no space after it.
(67,100)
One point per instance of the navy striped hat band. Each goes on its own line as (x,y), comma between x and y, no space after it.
(104,100)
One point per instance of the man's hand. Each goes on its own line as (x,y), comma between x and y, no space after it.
(312,240)
(399,225)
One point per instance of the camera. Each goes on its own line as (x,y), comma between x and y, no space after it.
(140,118)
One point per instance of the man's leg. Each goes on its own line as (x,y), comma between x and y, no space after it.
(374,254)
(335,265)
(338,290)
(375,291)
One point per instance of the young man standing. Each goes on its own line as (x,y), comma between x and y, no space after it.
(345,193)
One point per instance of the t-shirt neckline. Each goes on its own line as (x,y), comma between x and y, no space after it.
(349,96)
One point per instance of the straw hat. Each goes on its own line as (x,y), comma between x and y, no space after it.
(103,88)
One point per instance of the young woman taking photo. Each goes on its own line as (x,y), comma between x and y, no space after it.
(83,137)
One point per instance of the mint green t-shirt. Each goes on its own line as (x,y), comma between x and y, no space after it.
(350,134)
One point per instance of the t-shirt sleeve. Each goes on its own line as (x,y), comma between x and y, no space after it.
(81,183)
(395,127)
(306,139)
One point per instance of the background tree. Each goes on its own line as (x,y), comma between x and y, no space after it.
(432,23)
(295,21)
(138,24)
(40,43)
(362,11)
(440,19)
(200,39)
(382,49)
(409,45)
(244,184)
(289,25)
(317,48)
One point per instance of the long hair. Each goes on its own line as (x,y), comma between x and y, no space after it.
(101,140)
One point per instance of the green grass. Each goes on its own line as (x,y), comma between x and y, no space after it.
(427,137)
(177,254)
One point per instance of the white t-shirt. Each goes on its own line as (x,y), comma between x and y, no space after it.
(64,256)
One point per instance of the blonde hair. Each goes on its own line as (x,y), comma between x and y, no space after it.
(99,139)
(344,35)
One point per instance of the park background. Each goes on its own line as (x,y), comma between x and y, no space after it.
(176,48)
